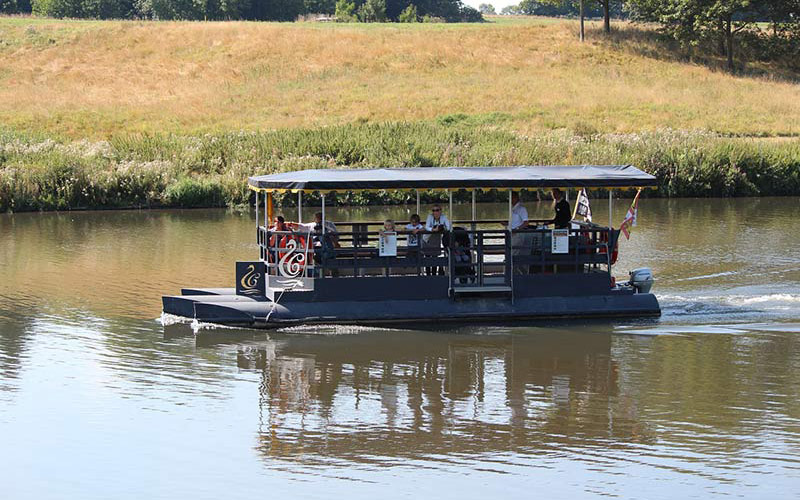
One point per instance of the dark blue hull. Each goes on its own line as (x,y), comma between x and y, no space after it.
(361,307)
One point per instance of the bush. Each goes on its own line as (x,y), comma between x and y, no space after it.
(38,173)
(409,15)
(191,192)
(346,11)
(373,11)
(471,15)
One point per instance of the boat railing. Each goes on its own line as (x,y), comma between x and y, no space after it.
(471,258)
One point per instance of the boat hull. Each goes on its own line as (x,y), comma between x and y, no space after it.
(230,309)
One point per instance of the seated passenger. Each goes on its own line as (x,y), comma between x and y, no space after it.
(278,225)
(459,247)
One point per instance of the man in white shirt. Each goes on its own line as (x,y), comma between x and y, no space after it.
(436,224)
(521,241)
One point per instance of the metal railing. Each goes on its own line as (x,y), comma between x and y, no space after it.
(469,257)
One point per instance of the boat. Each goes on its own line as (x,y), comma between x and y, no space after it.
(370,276)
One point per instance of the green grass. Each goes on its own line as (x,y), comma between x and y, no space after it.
(107,114)
(210,170)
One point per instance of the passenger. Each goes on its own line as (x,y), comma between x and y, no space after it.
(413,229)
(521,240)
(436,225)
(278,225)
(563,213)
(462,255)
(324,243)
(388,227)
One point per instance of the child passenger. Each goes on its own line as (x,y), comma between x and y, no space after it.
(414,227)
(388,227)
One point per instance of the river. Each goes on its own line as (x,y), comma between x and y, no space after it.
(99,400)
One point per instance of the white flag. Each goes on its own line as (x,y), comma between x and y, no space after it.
(582,206)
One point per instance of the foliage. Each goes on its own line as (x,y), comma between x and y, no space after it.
(511,10)
(278,10)
(470,15)
(167,170)
(346,11)
(487,8)
(722,25)
(372,11)
(409,15)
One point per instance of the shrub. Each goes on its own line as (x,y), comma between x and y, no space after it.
(409,15)
(346,11)
(192,192)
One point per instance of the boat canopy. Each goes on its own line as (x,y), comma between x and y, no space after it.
(455,178)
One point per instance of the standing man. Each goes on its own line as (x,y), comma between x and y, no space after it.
(436,225)
(521,240)
(563,213)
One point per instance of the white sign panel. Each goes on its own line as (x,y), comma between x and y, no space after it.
(387,244)
(560,239)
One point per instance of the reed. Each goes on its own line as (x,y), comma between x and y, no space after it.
(149,170)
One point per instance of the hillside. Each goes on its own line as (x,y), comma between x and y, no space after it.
(90,79)
(99,114)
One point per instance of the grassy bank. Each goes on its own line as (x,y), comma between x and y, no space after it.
(37,173)
(105,114)
(95,79)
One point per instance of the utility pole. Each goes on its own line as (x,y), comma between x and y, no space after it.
(583,36)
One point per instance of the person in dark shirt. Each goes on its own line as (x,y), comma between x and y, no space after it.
(563,213)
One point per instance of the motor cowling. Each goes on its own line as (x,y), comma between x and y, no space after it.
(642,279)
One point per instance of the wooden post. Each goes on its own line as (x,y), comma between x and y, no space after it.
(583,37)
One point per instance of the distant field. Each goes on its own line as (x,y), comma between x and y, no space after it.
(93,79)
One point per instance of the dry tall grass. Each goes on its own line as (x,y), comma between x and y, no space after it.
(95,79)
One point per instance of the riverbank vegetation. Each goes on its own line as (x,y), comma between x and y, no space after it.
(103,114)
(185,171)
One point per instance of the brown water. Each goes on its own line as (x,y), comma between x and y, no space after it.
(99,400)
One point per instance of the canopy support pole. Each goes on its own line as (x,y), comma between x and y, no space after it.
(610,221)
(510,245)
(419,207)
(256,209)
(269,213)
(323,212)
(474,211)
(300,207)
(450,194)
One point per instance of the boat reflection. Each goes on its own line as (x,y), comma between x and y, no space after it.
(375,397)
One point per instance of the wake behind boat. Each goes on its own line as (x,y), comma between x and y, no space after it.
(374,275)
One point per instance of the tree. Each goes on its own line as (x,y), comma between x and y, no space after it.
(690,22)
(579,8)
(487,9)
(409,15)
(373,11)
(510,10)
(345,11)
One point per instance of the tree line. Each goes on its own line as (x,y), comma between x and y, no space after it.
(256,10)
(765,29)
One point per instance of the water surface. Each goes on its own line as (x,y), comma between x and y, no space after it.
(99,400)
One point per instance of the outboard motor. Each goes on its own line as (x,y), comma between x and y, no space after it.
(642,279)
